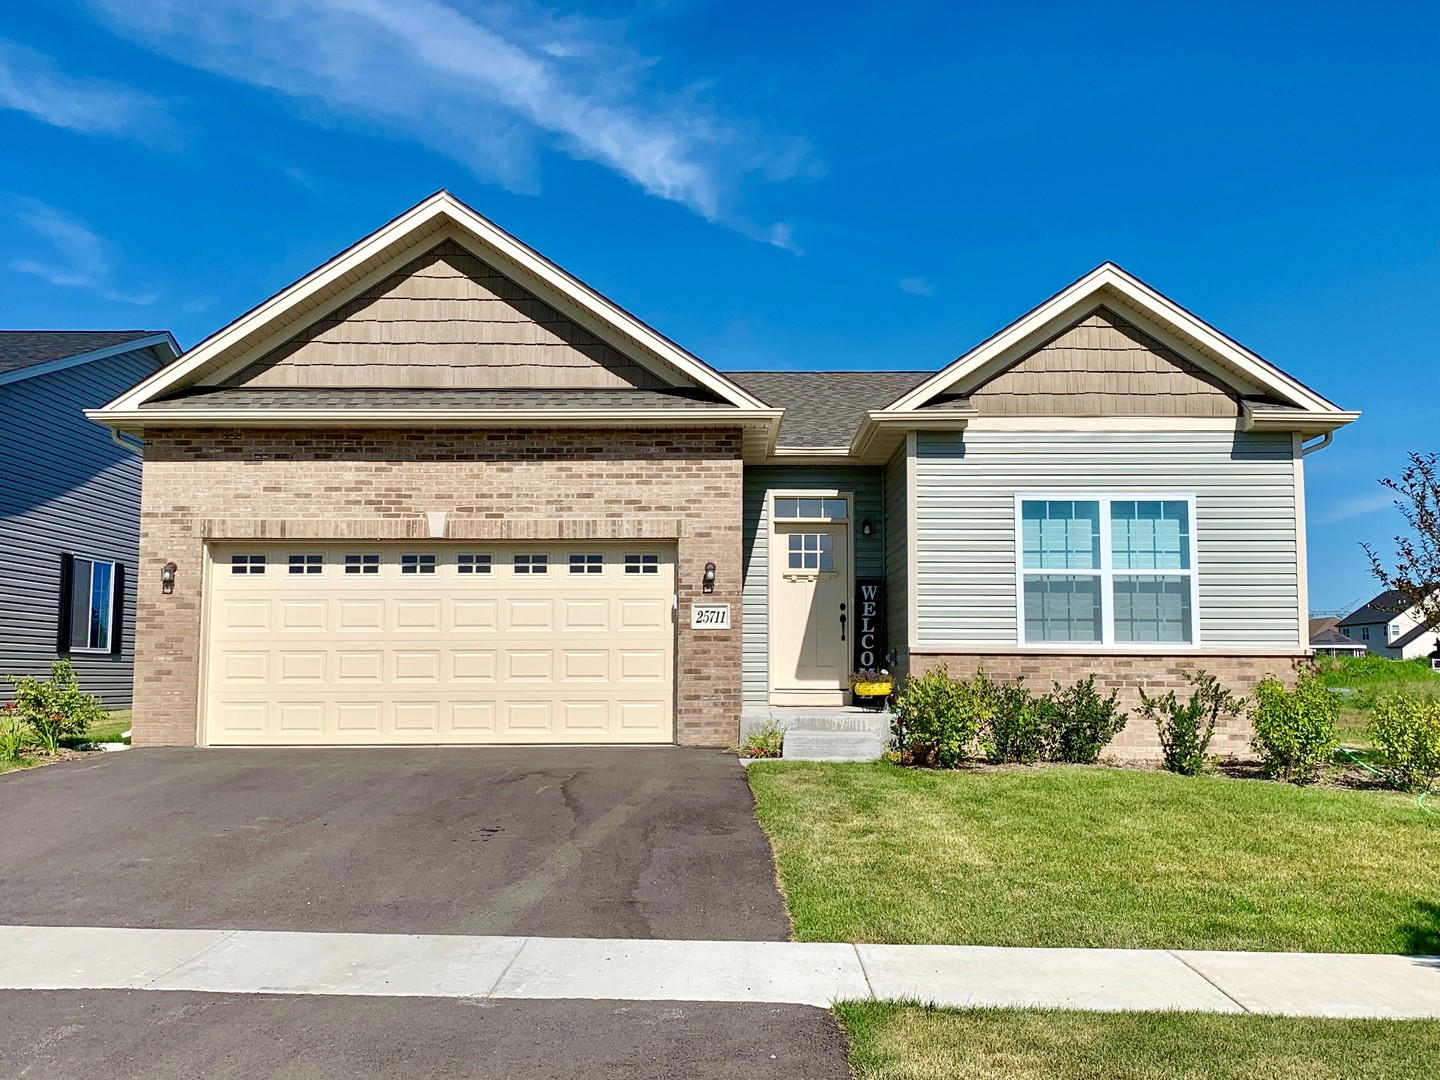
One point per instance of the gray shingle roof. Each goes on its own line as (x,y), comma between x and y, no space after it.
(425,398)
(1330,638)
(825,408)
(20,349)
(1382,609)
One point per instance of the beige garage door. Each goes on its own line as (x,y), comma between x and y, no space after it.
(385,645)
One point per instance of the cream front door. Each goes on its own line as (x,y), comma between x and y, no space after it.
(809,613)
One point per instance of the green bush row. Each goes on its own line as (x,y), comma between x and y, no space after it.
(943,721)
(44,712)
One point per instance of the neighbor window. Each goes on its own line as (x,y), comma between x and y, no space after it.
(417,564)
(1106,570)
(532,564)
(587,564)
(306,564)
(473,564)
(642,564)
(811,509)
(1364,633)
(90,590)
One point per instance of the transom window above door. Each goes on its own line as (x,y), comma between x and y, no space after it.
(1107,570)
(810,551)
(806,508)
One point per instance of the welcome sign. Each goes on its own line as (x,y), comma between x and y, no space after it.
(870,623)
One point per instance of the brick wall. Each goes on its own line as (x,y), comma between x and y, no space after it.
(1130,674)
(509,485)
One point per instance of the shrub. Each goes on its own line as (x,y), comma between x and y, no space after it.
(1294,729)
(1406,731)
(1083,722)
(766,741)
(56,709)
(940,717)
(1021,727)
(1186,729)
(15,737)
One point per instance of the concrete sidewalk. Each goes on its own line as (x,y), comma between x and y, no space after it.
(268,962)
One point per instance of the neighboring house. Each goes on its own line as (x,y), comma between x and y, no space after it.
(1390,627)
(70,504)
(440,491)
(1327,640)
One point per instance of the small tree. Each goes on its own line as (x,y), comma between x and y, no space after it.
(1416,573)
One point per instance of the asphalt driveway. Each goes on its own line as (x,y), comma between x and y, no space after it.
(573,842)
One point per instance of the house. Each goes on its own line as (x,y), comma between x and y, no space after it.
(1327,640)
(441,491)
(1389,626)
(70,504)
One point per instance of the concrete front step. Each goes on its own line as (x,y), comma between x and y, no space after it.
(833,746)
(846,718)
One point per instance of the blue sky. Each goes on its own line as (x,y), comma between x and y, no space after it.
(794,185)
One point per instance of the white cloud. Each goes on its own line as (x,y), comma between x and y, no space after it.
(30,82)
(917,286)
(480,85)
(1356,506)
(74,256)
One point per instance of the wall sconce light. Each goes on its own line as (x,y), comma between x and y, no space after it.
(867,528)
(707,583)
(167,578)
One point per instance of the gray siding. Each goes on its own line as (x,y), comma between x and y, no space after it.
(1244,485)
(864,482)
(65,487)
(897,583)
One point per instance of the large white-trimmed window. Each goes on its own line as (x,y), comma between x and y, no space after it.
(87,621)
(1106,570)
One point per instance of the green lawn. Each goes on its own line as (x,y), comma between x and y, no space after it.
(110,729)
(1090,856)
(1368,679)
(911,1042)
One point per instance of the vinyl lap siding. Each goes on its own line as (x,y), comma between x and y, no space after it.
(65,487)
(1244,485)
(864,482)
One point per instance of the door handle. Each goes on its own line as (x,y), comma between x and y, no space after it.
(842,622)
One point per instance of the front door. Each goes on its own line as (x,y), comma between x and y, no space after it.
(810,620)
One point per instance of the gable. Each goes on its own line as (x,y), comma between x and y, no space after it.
(446,319)
(1102,365)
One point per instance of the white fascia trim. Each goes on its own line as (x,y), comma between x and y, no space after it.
(163,342)
(139,419)
(1135,292)
(941,420)
(1263,418)
(441,205)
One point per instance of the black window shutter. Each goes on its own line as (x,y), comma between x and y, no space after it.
(67,584)
(117,612)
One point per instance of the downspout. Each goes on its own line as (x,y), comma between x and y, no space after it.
(1325,440)
(135,446)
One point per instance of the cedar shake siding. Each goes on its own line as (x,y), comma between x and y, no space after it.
(203,484)
(1103,366)
(446,319)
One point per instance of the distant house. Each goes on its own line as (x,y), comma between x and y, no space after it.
(1388,626)
(1327,640)
(70,504)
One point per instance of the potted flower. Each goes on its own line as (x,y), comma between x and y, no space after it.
(869,683)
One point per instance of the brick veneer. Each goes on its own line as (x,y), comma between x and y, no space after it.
(229,484)
(1130,674)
